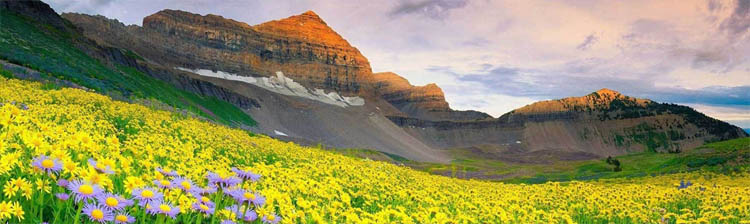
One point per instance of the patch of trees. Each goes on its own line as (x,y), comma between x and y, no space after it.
(615,163)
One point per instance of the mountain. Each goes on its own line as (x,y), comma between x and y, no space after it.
(424,102)
(301,81)
(603,123)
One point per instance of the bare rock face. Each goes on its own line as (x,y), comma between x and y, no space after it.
(303,47)
(423,102)
(596,100)
(398,90)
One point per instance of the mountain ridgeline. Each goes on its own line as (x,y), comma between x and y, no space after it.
(301,81)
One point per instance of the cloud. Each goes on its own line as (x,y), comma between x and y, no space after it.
(84,6)
(714,5)
(590,40)
(434,9)
(541,84)
(715,95)
(739,22)
(734,115)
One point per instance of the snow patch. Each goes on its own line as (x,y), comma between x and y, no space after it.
(277,132)
(284,85)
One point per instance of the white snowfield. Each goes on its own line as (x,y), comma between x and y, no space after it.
(277,132)
(284,85)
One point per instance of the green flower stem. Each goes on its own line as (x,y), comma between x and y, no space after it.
(218,204)
(77,219)
(41,206)
(143,215)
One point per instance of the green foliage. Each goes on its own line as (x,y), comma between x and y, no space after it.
(6,73)
(48,50)
(713,161)
(721,157)
(629,108)
(615,163)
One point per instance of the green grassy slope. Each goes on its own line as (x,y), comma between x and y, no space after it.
(721,157)
(44,48)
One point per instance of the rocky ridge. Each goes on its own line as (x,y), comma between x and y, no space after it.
(302,47)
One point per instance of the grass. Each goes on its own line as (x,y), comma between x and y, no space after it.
(53,52)
(720,157)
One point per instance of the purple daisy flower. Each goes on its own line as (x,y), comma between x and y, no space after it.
(100,167)
(271,219)
(183,183)
(63,182)
(97,213)
(147,195)
(62,196)
(250,215)
(47,164)
(84,191)
(209,190)
(197,191)
(160,207)
(227,221)
(124,218)
(203,208)
(246,174)
(204,199)
(242,196)
(222,181)
(165,184)
(113,202)
(168,172)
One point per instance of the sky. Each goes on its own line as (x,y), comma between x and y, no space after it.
(497,55)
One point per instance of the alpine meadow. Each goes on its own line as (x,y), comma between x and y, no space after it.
(182,112)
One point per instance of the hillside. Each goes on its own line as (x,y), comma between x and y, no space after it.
(605,123)
(298,80)
(38,38)
(140,145)
(601,124)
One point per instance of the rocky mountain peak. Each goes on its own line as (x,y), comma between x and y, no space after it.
(307,26)
(602,98)
(170,18)
(607,92)
(398,90)
(311,14)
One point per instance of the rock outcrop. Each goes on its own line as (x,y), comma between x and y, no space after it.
(303,47)
(423,102)
(597,125)
(597,100)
